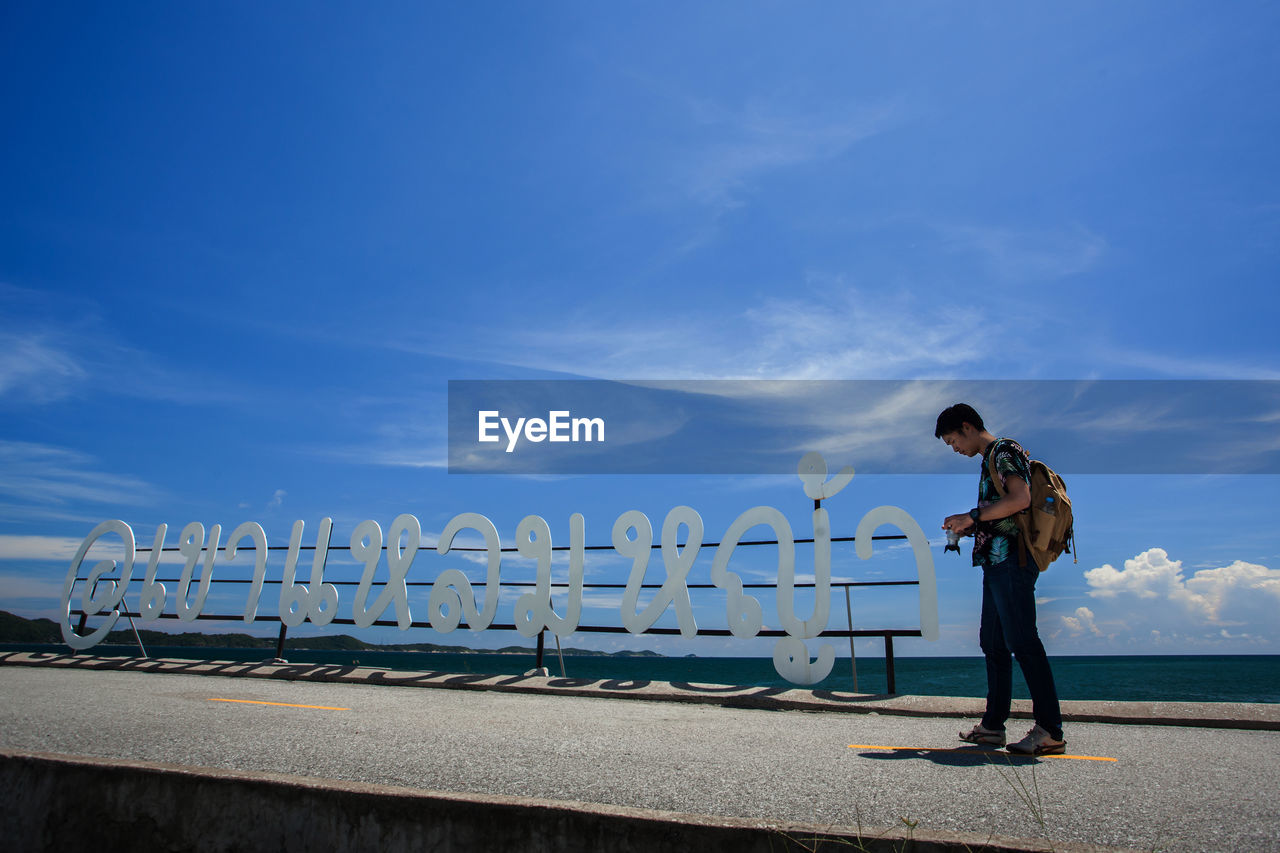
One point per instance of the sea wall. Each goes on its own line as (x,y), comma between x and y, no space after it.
(57,802)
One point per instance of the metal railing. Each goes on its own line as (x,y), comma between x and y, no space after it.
(887,634)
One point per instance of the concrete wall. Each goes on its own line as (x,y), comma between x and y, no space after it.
(74,803)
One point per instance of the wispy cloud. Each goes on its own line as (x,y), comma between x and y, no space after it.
(18,587)
(62,548)
(27,512)
(1023,254)
(870,430)
(718,153)
(44,475)
(841,331)
(1170,363)
(835,331)
(36,367)
(397,431)
(56,348)
(433,455)
(737,146)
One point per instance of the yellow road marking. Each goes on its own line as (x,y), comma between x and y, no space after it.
(280,704)
(971,751)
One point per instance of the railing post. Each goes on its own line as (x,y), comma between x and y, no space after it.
(84,620)
(853,660)
(141,649)
(284,629)
(560,652)
(888,663)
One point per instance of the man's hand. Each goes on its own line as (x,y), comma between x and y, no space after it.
(1017,499)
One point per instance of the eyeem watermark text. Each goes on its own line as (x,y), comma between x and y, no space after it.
(558,427)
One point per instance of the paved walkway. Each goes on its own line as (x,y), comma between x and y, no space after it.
(1151,785)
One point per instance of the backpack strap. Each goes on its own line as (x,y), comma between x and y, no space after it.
(1018,520)
(991,462)
(991,467)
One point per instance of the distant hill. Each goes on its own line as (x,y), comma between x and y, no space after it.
(16,629)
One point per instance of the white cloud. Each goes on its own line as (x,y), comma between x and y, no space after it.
(1019,254)
(40,474)
(1122,360)
(1151,598)
(14,512)
(59,548)
(835,331)
(429,452)
(35,367)
(1151,574)
(604,601)
(860,433)
(1082,622)
(62,548)
(54,346)
(741,146)
(845,332)
(402,434)
(1238,593)
(14,587)
(277,499)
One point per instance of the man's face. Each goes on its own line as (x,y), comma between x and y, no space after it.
(963,441)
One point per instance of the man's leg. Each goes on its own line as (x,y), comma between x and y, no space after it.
(1018,619)
(999,661)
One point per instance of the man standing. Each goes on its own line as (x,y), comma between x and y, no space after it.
(1008,586)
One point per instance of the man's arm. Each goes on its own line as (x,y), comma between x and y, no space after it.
(1017,498)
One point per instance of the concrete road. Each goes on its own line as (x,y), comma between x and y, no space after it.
(1168,788)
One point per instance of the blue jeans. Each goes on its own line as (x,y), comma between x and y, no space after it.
(1009,626)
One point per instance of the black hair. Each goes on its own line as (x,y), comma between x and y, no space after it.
(955,417)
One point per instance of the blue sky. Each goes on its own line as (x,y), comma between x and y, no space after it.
(244,248)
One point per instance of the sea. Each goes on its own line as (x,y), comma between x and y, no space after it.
(1163,678)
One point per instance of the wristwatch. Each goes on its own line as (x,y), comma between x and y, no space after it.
(974,513)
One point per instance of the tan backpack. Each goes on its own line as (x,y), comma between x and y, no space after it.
(1045,528)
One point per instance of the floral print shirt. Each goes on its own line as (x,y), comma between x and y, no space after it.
(994,541)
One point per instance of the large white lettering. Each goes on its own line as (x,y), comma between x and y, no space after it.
(675,590)
(190,545)
(366,546)
(92,600)
(919,548)
(451,594)
(453,598)
(533,610)
(299,602)
(251,530)
(151,604)
(790,655)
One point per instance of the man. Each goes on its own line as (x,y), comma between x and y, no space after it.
(1008,586)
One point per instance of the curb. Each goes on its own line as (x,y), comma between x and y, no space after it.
(1223,715)
(60,801)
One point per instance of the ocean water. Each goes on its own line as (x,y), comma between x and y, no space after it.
(1183,678)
